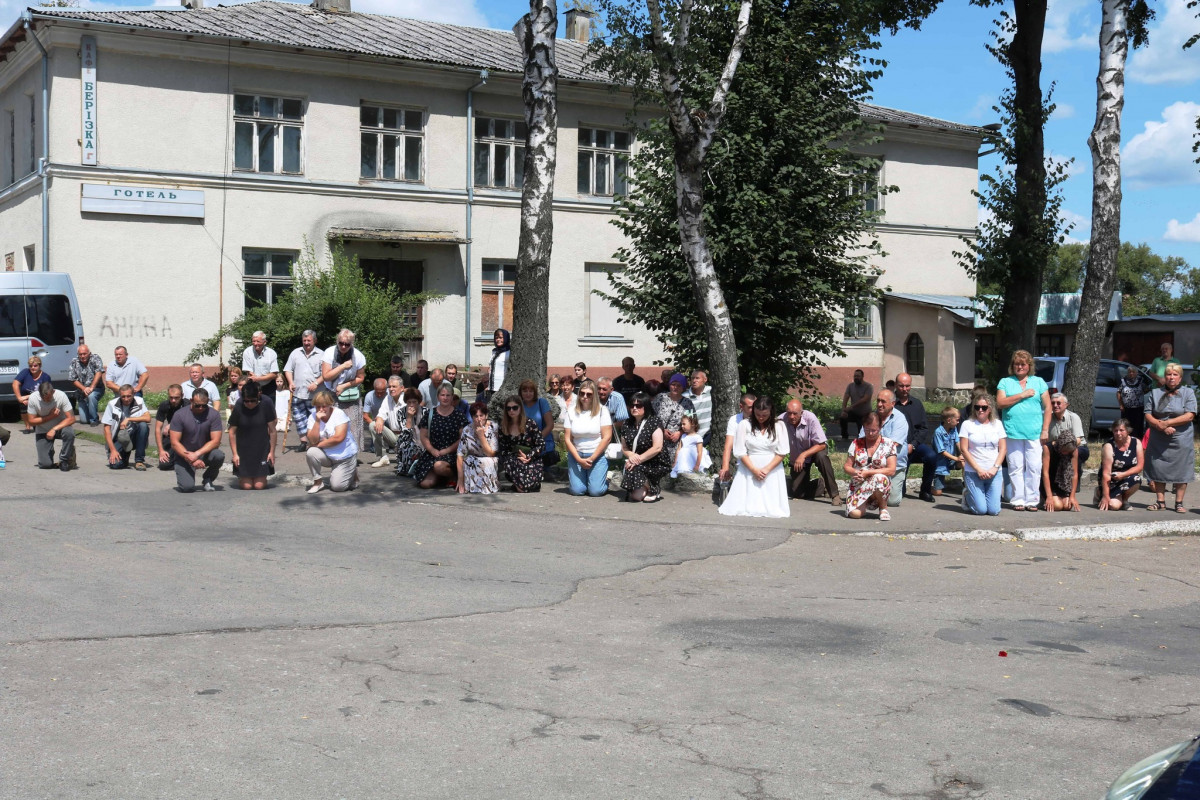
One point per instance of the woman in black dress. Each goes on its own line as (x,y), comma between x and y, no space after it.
(1121,466)
(646,460)
(441,428)
(252,437)
(523,466)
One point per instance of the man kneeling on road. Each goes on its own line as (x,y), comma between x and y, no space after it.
(806,442)
(195,439)
(126,427)
(51,417)
(162,425)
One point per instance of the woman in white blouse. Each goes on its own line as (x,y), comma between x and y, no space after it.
(587,430)
(760,445)
(983,446)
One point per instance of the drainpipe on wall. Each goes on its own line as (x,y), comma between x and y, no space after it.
(44,161)
(483,76)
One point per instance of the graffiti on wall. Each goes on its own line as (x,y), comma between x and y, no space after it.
(135,327)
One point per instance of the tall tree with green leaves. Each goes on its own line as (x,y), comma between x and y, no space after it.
(1123,22)
(1148,283)
(788,187)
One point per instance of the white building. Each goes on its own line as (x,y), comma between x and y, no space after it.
(190,153)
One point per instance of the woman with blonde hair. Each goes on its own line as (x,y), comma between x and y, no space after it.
(1024,402)
(330,445)
(984,445)
(587,431)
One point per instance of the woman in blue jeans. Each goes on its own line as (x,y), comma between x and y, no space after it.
(983,445)
(587,428)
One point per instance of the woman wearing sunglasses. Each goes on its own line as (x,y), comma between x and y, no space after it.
(984,444)
(645,459)
(587,431)
(521,445)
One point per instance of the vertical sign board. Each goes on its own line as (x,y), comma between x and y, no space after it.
(87,58)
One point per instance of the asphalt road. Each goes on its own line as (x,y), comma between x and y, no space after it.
(399,644)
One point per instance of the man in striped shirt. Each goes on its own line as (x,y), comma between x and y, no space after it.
(701,396)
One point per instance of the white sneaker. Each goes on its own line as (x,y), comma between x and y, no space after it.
(317,486)
(383,462)
(208,487)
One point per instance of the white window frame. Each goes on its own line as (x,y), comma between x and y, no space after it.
(867,184)
(32,134)
(487,143)
(259,122)
(595,278)
(591,152)
(269,279)
(504,291)
(403,134)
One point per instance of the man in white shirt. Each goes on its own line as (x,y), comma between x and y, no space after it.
(747,407)
(126,427)
(380,414)
(51,416)
(260,364)
(303,374)
(196,381)
(124,369)
(895,427)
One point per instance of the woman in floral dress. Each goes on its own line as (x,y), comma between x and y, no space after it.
(477,453)
(870,463)
(523,466)
(645,459)
(669,407)
(441,428)
(408,438)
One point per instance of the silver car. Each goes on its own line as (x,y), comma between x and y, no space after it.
(39,315)
(1105,409)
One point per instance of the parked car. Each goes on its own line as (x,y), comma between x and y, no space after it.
(1105,409)
(39,315)
(1173,774)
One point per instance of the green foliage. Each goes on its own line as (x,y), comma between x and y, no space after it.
(790,243)
(325,300)
(1148,283)
(1012,236)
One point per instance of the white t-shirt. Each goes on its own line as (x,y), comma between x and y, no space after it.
(330,358)
(985,442)
(731,426)
(347,448)
(585,428)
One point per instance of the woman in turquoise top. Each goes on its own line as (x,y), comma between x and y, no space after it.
(1024,401)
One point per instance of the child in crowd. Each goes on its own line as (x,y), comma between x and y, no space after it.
(283,404)
(945,442)
(691,455)
(235,387)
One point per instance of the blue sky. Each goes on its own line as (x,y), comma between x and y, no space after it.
(944,71)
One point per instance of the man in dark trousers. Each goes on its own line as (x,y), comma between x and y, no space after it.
(919,451)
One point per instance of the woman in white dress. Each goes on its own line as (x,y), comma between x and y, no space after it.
(761,444)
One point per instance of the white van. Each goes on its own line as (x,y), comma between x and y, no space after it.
(39,315)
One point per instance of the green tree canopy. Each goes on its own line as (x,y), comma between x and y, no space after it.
(325,300)
(1148,283)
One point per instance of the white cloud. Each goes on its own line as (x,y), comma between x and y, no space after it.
(1081,229)
(1164,60)
(983,108)
(1063,111)
(1161,155)
(1183,231)
(1070,25)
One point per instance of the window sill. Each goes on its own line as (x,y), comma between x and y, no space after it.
(605,341)
(860,344)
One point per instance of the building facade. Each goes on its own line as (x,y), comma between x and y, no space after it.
(192,155)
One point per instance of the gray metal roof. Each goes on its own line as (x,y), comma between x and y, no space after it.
(296,25)
(961,306)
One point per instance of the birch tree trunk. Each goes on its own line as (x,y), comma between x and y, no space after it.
(1105,144)
(1027,258)
(694,130)
(531,296)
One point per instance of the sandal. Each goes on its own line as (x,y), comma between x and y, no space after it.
(884,516)
(1159,505)
(654,498)
(1018,508)
(1180,509)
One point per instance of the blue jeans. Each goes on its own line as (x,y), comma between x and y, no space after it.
(591,480)
(139,435)
(89,405)
(982,496)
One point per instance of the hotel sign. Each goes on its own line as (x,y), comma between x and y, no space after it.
(87,59)
(142,201)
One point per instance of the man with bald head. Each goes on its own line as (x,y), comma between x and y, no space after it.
(86,373)
(919,452)
(806,445)
(895,427)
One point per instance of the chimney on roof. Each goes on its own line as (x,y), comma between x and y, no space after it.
(192,5)
(332,6)
(579,24)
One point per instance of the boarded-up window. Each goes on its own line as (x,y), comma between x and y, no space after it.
(499,279)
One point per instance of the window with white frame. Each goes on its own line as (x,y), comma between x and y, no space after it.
(496,305)
(603,161)
(393,140)
(268,134)
(499,153)
(602,318)
(858,320)
(864,183)
(32,133)
(267,276)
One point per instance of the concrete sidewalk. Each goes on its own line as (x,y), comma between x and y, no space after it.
(942,520)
